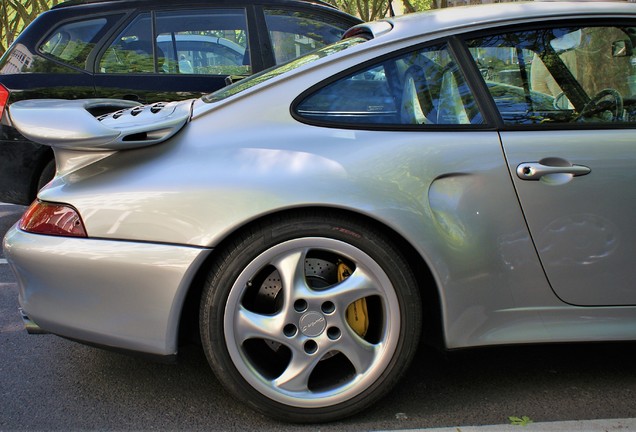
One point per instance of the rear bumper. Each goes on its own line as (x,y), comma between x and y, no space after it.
(117,294)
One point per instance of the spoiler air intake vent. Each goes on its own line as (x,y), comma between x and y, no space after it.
(70,125)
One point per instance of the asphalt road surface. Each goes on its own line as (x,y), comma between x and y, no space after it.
(49,383)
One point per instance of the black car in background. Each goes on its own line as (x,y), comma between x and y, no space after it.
(145,51)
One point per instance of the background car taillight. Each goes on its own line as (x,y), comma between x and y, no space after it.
(4,97)
(52,219)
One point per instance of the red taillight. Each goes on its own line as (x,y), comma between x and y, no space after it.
(4,97)
(52,219)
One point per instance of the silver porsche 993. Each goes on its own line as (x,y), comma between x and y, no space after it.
(464,177)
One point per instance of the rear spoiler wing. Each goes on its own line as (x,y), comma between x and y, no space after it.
(72,125)
(369,30)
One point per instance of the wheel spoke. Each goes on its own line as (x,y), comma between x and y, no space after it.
(296,376)
(291,268)
(250,325)
(360,284)
(360,353)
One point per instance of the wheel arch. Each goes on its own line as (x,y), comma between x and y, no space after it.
(42,161)
(432,327)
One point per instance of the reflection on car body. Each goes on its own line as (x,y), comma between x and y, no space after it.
(316,220)
(145,51)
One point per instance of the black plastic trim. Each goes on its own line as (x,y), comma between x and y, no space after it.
(475,82)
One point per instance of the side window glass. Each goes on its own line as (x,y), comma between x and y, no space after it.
(131,51)
(295,33)
(421,88)
(560,75)
(72,43)
(208,42)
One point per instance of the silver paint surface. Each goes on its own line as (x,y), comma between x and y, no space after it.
(69,124)
(513,260)
(119,294)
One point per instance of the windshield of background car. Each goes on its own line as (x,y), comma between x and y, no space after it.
(268,74)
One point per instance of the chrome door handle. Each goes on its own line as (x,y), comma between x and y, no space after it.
(536,170)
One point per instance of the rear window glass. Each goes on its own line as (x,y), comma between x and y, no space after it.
(268,74)
(72,43)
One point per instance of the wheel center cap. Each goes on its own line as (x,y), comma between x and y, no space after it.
(312,324)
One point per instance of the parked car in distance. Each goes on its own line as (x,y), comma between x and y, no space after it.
(145,51)
(461,176)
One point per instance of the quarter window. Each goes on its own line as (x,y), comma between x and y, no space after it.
(421,88)
(72,43)
(560,75)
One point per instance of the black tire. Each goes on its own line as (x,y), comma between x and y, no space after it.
(47,174)
(275,326)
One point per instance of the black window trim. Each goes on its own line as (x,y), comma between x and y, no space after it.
(475,82)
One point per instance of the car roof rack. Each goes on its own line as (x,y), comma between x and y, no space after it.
(81,2)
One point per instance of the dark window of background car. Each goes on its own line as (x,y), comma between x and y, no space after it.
(295,33)
(422,88)
(208,42)
(131,51)
(72,42)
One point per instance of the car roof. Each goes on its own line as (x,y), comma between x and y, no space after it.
(70,3)
(455,19)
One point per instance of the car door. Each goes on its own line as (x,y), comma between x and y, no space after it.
(565,93)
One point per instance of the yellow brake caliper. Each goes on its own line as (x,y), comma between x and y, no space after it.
(357,314)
